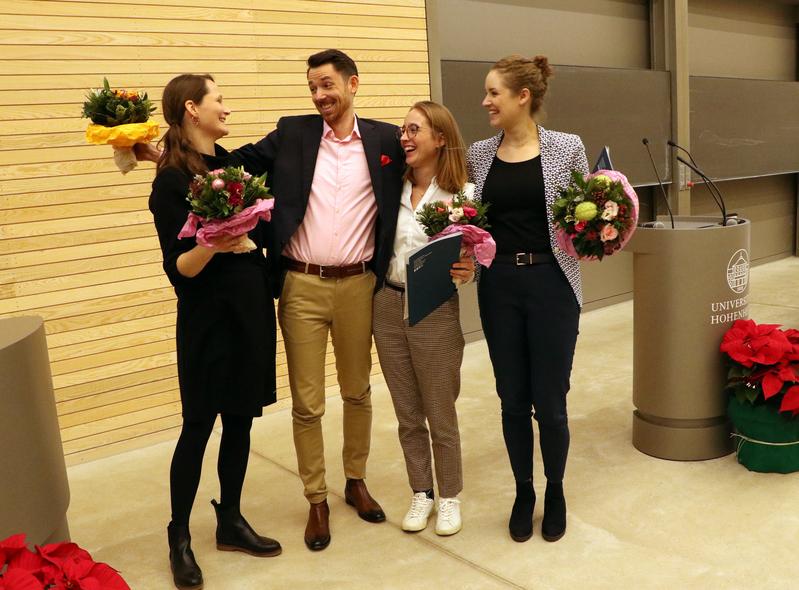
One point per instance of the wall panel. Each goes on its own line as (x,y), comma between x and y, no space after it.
(769,202)
(77,245)
(736,39)
(744,128)
(607,33)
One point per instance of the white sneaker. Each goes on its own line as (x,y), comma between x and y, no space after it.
(416,518)
(449,517)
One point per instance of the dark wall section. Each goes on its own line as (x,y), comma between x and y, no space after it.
(605,106)
(769,202)
(743,128)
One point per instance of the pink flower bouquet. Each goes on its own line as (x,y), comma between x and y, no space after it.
(226,202)
(460,215)
(596,215)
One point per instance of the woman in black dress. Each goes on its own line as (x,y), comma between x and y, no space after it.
(225,329)
(530,298)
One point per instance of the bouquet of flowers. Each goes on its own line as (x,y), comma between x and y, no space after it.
(460,215)
(119,118)
(763,363)
(226,202)
(53,567)
(595,215)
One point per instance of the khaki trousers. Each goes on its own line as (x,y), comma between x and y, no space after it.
(309,308)
(422,367)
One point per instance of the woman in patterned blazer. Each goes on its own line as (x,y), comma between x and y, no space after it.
(530,298)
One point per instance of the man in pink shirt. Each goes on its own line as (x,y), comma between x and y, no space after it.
(337,181)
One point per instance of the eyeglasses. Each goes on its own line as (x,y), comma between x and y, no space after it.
(410,130)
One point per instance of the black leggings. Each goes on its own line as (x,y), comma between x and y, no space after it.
(187,462)
(530,318)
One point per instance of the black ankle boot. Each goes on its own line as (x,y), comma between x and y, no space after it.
(233,533)
(521,517)
(554,525)
(185,572)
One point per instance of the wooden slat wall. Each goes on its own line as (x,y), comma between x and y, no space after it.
(77,244)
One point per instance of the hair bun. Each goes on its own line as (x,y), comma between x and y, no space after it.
(542,63)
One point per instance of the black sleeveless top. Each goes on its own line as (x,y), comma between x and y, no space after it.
(517,212)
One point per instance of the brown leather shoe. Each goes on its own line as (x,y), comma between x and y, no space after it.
(317,532)
(356,494)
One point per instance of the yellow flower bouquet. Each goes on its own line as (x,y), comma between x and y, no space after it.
(119,118)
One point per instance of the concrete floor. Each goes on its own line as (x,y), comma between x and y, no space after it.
(634,521)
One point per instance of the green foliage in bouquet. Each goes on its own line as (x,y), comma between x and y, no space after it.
(224,192)
(437,215)
(110,108)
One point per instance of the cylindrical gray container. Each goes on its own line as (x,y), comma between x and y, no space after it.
(690,284)
(34,492)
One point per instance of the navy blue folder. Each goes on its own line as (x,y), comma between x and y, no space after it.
(603,161)
(428,283)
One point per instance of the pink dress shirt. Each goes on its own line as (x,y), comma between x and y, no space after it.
(338,227)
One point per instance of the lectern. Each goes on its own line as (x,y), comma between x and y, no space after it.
(34,492)
(690,283)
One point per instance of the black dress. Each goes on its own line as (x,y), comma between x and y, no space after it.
(226,333)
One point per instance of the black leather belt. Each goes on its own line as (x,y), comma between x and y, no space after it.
(525,258)
(325,272)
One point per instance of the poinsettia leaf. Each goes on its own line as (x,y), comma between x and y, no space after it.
(27,560)
(786,372)
(107,578)
(771,385)
(10,547)
(736,371)
(16,579)
(790,400)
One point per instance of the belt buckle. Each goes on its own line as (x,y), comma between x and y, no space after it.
(522,258)
(322,272)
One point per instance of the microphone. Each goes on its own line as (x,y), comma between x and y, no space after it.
(645,141)
(712,188)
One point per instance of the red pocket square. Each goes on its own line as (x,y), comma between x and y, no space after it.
(384,160)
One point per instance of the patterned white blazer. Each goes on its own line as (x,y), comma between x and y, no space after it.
(560,154)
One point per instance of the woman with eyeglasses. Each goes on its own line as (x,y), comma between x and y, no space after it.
(422,363)
(530,297)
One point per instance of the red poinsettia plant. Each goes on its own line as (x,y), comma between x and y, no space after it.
(58,566)
(763,364)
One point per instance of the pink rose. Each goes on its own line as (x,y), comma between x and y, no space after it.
(580,226)
(216,172)
(608,233)
(218,184)
(469,212)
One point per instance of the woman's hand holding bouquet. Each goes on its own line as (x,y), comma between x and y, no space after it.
(120,118)
(595,215)
(227,203)
(460,215)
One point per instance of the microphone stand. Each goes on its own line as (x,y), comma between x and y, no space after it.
(711,185)
(645,141)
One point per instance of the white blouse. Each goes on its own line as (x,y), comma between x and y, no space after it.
(410,233)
